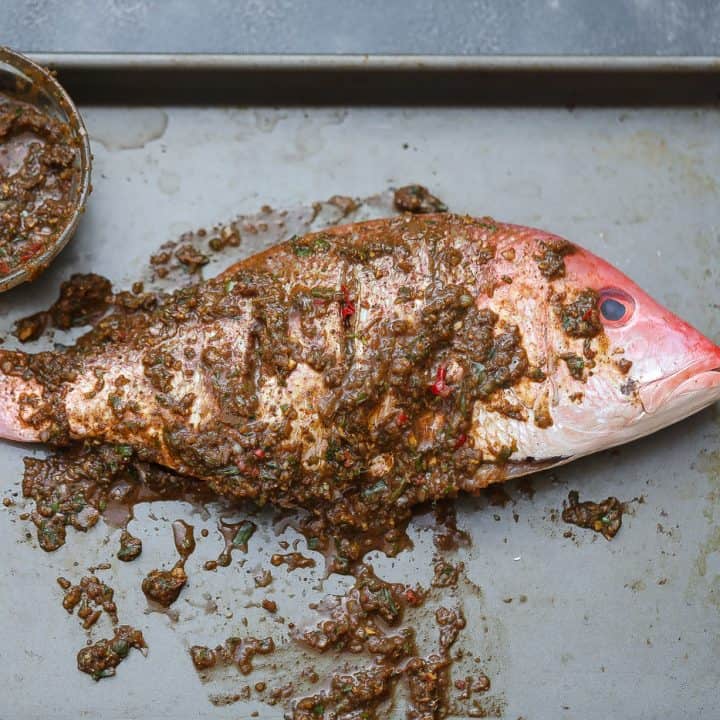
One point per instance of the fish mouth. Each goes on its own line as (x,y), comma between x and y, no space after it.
(684,392)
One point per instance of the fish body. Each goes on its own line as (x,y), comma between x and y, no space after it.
(375,365)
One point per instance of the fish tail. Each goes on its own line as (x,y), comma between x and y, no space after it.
(19,397)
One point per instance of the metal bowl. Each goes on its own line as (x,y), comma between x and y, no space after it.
(28,81)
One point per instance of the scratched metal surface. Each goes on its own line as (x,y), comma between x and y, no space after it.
(625,629)
(374,26)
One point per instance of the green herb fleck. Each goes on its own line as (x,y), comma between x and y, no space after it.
(575,365)
(324,293)
(121,648)
(398,491)
(504,453)
(387,599)
(245,532)
(229,470)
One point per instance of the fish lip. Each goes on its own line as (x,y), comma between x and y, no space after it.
(656,394)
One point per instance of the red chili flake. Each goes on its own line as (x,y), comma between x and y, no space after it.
(412,597)
(462,439)
(4,268)
(30,252)
(401,418)
(347,308)
(440,387)
(587,315)
(259,454)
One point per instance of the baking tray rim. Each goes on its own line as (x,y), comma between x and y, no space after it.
(385,80)
(380,63)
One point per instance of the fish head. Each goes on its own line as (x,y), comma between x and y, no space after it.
(667,367)
(616,365)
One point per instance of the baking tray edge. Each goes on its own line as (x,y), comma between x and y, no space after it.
(234,79)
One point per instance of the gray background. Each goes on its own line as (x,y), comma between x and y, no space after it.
(633,27)
(599,629)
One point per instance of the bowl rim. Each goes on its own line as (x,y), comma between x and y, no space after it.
(40,76)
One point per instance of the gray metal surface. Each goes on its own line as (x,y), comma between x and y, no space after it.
(542,27)
(626,629)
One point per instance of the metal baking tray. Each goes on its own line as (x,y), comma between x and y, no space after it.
(621,155)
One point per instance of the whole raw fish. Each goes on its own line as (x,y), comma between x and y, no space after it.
(374,366)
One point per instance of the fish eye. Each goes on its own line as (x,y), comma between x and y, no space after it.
(615,306)
(612,309)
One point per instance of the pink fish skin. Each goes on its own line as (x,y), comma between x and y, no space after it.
(643,369)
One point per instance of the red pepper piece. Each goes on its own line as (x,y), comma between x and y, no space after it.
(462,439)
(347,307)
(440,387)
(412,597)
(259,454)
